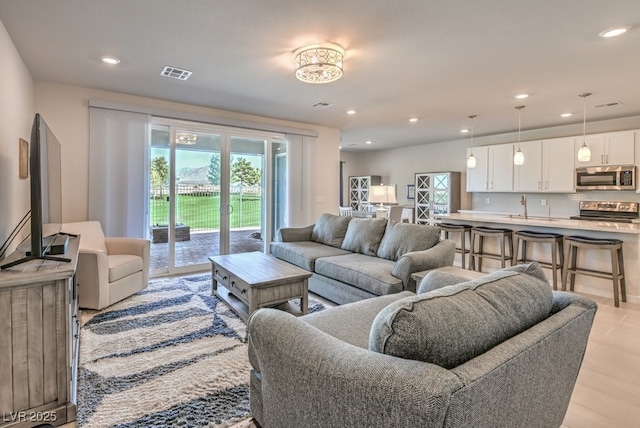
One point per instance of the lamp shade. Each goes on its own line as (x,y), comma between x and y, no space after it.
(584,154)
(382,194)
(518,158)
(471,161)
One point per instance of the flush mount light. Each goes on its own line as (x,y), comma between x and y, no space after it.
(613,32)
(111,60)
(319,63)
(413,119)
(351,112)
(521,96)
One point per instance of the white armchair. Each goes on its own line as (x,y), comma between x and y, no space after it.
(109,269)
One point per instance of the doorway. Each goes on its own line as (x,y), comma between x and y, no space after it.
(208,193)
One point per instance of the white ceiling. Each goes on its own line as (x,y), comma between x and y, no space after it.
(438,60)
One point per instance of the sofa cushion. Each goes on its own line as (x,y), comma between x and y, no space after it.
(330,229)
(454,324)
(401,238)
(122,265)
(364,235)
(304,253)
(368,273)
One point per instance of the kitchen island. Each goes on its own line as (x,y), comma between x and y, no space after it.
(627,232)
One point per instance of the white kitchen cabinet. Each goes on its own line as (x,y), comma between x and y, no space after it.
(477,178)
(548,166)
(558,165)
(493,171)
(501,168)
(528,176)
(612,148)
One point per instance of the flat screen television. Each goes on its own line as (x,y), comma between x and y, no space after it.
(45,165)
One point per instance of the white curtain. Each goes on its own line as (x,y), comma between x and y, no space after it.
(118,171)
(300,166)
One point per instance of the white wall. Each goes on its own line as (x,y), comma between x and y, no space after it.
(16,116)
(66,111)
(398,166)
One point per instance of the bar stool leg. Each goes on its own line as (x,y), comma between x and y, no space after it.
(623,287)
(614,273)
(574,258)
(554,264)
(503,242)
(510,240)
(462,248)
(480,252)
(472,257)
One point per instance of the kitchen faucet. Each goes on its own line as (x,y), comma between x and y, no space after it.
(523,202)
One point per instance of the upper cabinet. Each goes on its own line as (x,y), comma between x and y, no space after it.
(548,167)
(493,171)
(613,148)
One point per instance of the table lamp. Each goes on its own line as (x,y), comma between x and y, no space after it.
(382,195)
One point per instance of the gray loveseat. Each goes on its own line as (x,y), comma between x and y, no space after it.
(357,258)
(502,350)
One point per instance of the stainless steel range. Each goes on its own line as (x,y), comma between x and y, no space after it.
(621,212)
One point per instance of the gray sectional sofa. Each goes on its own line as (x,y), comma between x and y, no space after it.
(502,350)
(358,258)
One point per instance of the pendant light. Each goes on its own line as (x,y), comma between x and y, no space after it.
(584,154)
(518,158)
(471,160)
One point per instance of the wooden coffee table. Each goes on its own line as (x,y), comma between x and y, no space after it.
(248,281)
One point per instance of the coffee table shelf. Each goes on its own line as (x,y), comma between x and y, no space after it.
(248,281)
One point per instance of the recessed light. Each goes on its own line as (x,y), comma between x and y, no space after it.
(413,119)
(351,112)
(613,32)
(521,96)
(368,142)
(464,131)
(566,115)
(340,147)
(111,60)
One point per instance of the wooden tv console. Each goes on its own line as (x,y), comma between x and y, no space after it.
(39,341)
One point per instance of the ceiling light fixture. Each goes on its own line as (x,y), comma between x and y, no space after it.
(613,32)
(464,131)
(518,158)
(351,112)
(413,119)
(584,153)
(521,96)
(368,142)
(471,160)
(566,115)
(319,63)
(111,60)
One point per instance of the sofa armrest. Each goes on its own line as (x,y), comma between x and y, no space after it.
(93,278)
(136,246)
(440,255)
(305,372)
(294,234)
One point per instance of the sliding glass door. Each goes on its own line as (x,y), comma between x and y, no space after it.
(208,193)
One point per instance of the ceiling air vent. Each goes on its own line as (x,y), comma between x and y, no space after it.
(611,104)
(175,73)
(322,104)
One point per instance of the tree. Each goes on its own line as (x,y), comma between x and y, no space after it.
(159,172)
(242,172)
(214,169)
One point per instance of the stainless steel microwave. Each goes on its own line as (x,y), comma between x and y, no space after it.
(606,178)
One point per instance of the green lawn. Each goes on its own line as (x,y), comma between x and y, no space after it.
(202,212)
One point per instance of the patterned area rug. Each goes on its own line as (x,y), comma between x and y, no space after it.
(170,355)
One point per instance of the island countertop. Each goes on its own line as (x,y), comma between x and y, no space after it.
(506,219)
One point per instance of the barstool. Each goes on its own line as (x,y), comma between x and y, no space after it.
(572,243)
(462,229)
(555,239)
(505,237)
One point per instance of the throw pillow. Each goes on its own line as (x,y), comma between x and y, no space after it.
(330,229)
(454,324)
(364,235)
(401,238)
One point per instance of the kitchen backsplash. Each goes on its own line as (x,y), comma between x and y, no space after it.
(558,205)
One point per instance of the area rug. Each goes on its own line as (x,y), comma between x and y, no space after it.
(170,355)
